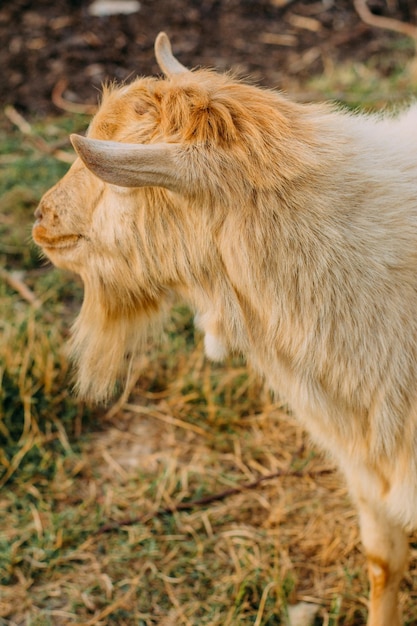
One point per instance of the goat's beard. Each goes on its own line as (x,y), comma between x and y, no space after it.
(105,342)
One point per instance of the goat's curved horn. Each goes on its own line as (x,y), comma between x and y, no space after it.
(166,60)
(128,164)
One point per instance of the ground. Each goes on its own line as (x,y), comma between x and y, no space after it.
(199,501)
(54,49)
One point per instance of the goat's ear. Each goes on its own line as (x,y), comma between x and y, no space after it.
(130,165)
(166,60)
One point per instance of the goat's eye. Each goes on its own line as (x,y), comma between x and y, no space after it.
(140,108)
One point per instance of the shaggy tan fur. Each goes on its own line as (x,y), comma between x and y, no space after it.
(292,231)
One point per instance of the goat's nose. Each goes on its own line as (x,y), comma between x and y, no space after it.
(38,213)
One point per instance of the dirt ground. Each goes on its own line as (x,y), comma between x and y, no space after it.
(54,49)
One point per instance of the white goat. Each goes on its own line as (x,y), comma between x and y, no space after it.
(292,232)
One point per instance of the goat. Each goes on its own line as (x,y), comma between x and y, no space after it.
(291,231)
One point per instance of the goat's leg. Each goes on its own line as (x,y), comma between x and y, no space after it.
(386,547)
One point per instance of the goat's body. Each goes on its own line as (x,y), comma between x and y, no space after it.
(334,331)
(292,232)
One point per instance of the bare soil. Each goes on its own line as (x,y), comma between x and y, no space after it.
(54,49)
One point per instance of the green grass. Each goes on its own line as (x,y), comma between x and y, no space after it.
(189,430)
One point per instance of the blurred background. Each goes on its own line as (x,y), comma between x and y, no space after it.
(68,48)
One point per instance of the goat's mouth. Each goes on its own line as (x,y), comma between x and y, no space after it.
(60,242)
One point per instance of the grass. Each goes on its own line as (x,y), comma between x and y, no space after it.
(89,530)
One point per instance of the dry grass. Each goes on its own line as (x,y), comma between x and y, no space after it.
(187,431)
(210,565)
